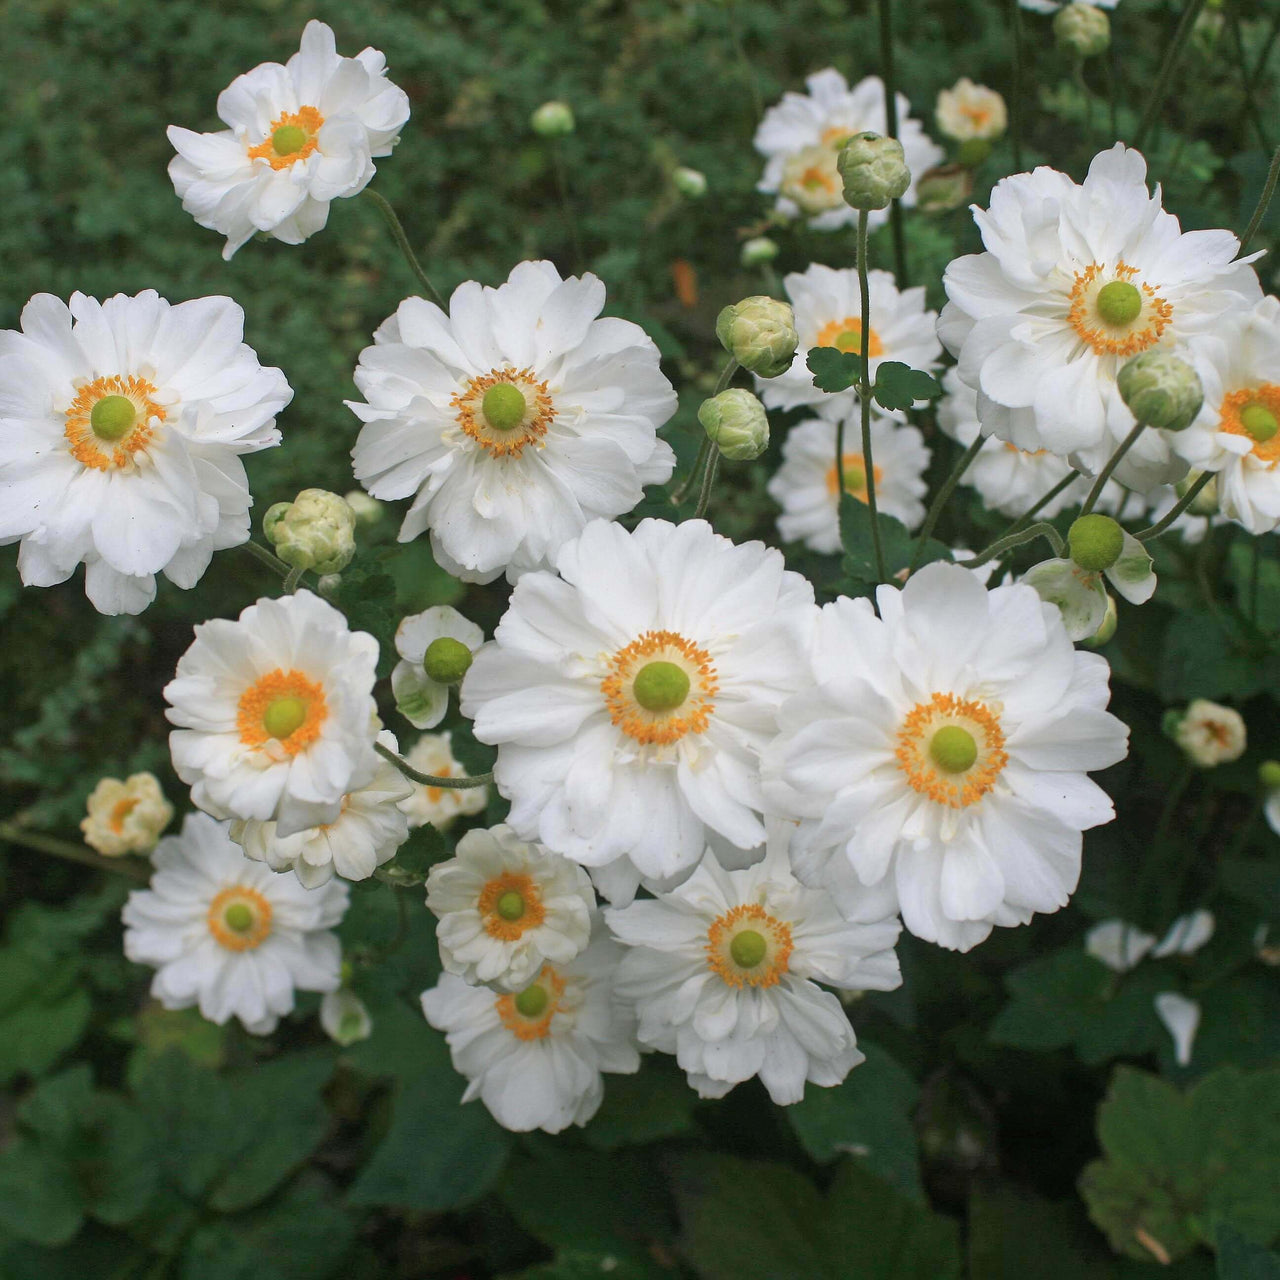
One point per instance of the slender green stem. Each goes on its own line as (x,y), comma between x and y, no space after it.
(940,501)
(1161,866)
(1031,512)
(694,472)
(1155,530)
(1112,463)
(402,243)
(708,482)
(1264,200)
(1043,529)
(566,205)
(126,866)
(1190,11)
(726,377)
(272,561)
(1015,92)
(1083,85)
(864,400)
(429,779)
(291,582)
(885,8)
(1264,54)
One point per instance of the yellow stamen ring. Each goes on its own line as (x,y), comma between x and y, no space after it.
(846,335)
(292,138)
(528,1015)
(937,760)
(510,905)
(494,420)
(747,947)
(627,690)
(283,707)
(240,918)
(1114,315)
(1250,413)
(110,420)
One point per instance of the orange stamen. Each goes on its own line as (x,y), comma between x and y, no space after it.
(240,939)
(661,728)
(1116,340)
(308,119)
(1234,404)
(776,933)
(87,447)
(277,684)
(505,444)
(532,1028)
(956,790)
(495,925)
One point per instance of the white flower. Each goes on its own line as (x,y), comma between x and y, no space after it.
(366,833)
(1181,1018)
(440,806)
(1009,480)
(275,713)
(805,485)
(535,1058)
(228,934)
(1120,946)
(969,110)
(344,1017)
(801,135)
(1186,935)
(421,699)
(512,421)
(945,746)
(297,137)
(121,429)
(126,817)
(506,907)
(630,696)
(828,313)
(723,971)
(1211,734)
(1075,280)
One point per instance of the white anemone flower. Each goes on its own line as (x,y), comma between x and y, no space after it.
(805,485)
(512,420)
(1076,280)
(506,907)
(431,644)
(535,1057)
(969,111)
(125,817)
(945,747)
(1181,1018)
(228,934)
(630,696)
(1211,734)
(275,713)
(365,834)
(297,137)
(121,428)
(1120,945)
(828,313)
(724,971)
(801,136)
(440,806)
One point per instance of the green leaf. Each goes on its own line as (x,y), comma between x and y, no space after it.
(833,370)
(1014,1233)
(1203,659)
(896,543)
(868,1117)
(36,1034)
(654,1103)
(579,1264)
(898,386)
(1241,1259)
(1254,880)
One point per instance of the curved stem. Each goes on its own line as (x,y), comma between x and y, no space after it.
(429,779)
(1264,200)
(64,849)
(1026,517)
(1155,530)
(1190,11)
(726,377)
(708,481)
(864,396)
(694,472)
(291,582)
(1112,463)
(272,561)
(948,488)
(402,243)
(1041,530)
(891,125)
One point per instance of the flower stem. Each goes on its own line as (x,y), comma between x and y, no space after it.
(891,125)
(1112,463)
(1015,93)
(292,580)
(272,561)
(694,472)
(708,481)
(1190,11)
(1025,518)
(429,779)
(948,488)
(131,869)
(1264,200)
(726,377)
(864,400)
(402,242)
(1043,529)
(1155,530)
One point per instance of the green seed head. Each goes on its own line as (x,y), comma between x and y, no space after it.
(510,906)
(661,686)
(1269,775)
(953,749)
(1096,542)
(283,716)
(238,917)
(1161,389)
(504,406)
(748,948)
(532,1001)
(874,169)
(112,417)
(1119,303)
(288,140)
(1255,418)
(690,183)
(446,660)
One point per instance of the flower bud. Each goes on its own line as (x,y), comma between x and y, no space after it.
(1096,542)
(874,169)
(736,423)
(314,531)
(757,251)
(1161,389)
(946,187)
(1210,734)
(367,510)
(1269,775)
(126,817)
(1082,29)
(552,120)
(1110,621)
(1205,503)
(690,182)
(344,1017)
(969,111)
(760,334)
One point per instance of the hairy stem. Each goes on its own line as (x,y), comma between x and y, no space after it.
(864,398)
(1190,11)
(140,872)
(1041,530)
(1112,463)
(948,488)
(402,243)
(1155,530)
(429,779)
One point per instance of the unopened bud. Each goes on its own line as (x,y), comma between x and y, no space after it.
(760,334)
(690,182)
(1269,775)
(1082,29)
(552,120)
(314,531)
(758,250)
(344,1017)
(736,423)
(1161,389)
(874,170)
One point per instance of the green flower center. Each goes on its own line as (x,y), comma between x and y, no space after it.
(532,1001)
(238,917)
(112,417)
(503,406)
(748,948)
(510,906)
(849,340)
(446,660)
(661,686)
(855,479)
(283,716)
(953,749)
(1255,418)
(288,140)
(1119,303)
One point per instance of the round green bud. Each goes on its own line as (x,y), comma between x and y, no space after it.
(953,749)
(1096,542)
(552,120)
(661,686)
(314,531)
(690,182)
(112,418)
(748,948)
(288,140)
(946,187)
(1255,418)
(238,917)
(446,660)
(736,423)
(532,1001)
(504,406)
(760,334)
(1107,627)
(283,715)
(510,905)
(757,251)
(1269,775)
(874,169)
(1161,390)
(1082,30)
(1119,303)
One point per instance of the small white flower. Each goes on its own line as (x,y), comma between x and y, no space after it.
(1211,734)
(440,806)
(228,934)
(805,485)
(1181,1018)
(1117,944)
(535,1058)
(365,834)
(435,639)
(971,111)
(828,313)
(121,428)
(512,420)
(946,746)
(506,907)
(344,1017)
(1186,935)
(630,695)
(801,136)
(1271,810)
(126,817)
(723,971)
(275,713)
(297,137)
(1079,593)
